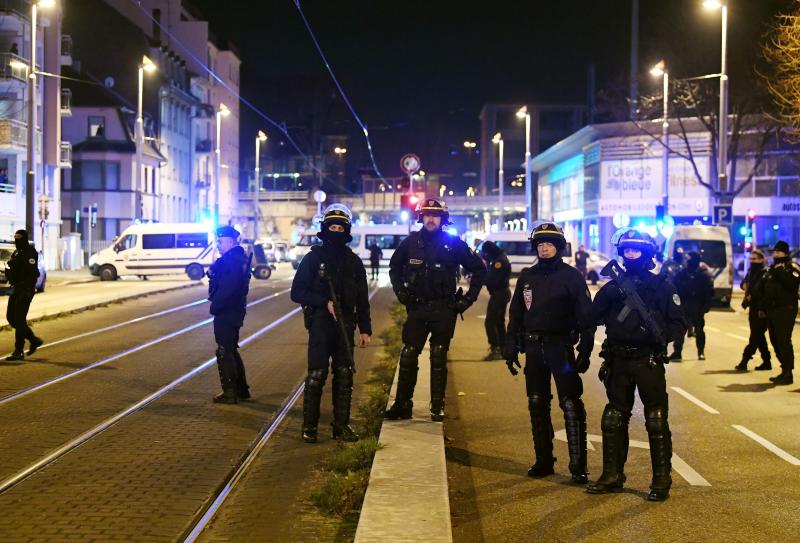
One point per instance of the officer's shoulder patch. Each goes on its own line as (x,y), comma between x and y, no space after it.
(498,265)
(676,299)
(415,261)
(31,261)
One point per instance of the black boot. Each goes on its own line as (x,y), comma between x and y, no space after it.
(660,452)
(742,366)
(575,424)
(542,430)
(615,452)
(312,396)
(676,356)
(16,355)
(784,378)
(242,388)
(495,353)
(406,381)
(35,344)
(226,365)
(765,365)
(438,381)
(701,355)
(342,396)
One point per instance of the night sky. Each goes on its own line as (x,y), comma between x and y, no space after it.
(418,71)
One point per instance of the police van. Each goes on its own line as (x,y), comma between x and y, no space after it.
(157,249)
(716,253)
(385,236)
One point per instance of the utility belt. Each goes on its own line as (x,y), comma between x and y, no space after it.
(559,338)
(308,315)
(630,351)
(418,302)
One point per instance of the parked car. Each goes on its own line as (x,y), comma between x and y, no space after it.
(7,248)
(597,261)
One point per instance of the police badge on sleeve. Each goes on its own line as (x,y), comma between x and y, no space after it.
(527,296)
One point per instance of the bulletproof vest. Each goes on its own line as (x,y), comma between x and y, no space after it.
(431,272)
(342,274)
(632,330)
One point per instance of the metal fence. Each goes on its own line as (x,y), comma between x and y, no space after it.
(97,245)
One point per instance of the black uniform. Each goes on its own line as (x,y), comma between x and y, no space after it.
(581,262)
(634,360)
(550,311)
(22,272)
(424,273)
(229,283)
(375,255)
(696,290)
(326,345)
(497,283)
(778,290)
(757,319)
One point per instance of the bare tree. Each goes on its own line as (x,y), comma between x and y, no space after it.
(782,51)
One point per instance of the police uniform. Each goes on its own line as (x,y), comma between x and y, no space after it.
(375,255)
(332,263)
(550,312)
(424,274)
(22,272)
(778,290)
(756,318)
(497,283)
(634,359)
(229,283)
(696,289)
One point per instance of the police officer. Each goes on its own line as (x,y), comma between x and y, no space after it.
(375,255)
(634,359)
(756,316)
(332,265)
(778,291)
(499,295)
(229,283)
(22,272)
(696,289)
(424,274)
(552,311)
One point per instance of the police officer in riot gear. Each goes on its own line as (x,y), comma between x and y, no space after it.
(424,274)
(497,282)
(695,287)
(22,271)
(550,312)
(756,316)
(778,291)
(229,283)
(332,265)
(634,356)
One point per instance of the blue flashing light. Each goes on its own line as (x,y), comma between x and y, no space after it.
(775,227)
(452,231)
(404,216)
(743,230)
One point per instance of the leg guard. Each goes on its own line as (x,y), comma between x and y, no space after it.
(615,451)
(438,381)
(575,424)
(542,430)
(242,388)
(311,400)
(342,397)
(660,452)
(406,381)
(226,365)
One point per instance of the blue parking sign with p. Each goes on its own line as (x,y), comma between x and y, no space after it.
(723,214)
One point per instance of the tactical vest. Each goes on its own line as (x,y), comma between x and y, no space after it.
(344,279)
(431,274)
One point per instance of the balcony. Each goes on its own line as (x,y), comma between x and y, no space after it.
(13,67)
(203,146)
(66,102)
(204,111)
(19,7)
(13,134)
(66,50)
(65,156)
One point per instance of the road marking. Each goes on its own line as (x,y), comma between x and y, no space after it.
(561,435)
(767,445)
(713,329)
(735,336)
(598,343)
(678,463)
(697,402)
(745,328)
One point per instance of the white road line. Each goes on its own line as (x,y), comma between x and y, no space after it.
(702,405)
(767,445)
(735,336)
(561,435)
(713,329)
(745,328)
(598,343)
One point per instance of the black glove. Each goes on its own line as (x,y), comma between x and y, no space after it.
(461,305)
(582,362)
(604,372)
(511,363)
(403,296)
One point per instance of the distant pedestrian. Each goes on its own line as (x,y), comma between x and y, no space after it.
(756,316)
(778,290)
(696,289)
(375,256)
(14,49)
(582,260)
(22,272)
(229,283)
(497,283)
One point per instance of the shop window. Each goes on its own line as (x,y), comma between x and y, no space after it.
(97,127)
(790,187)
(766,187)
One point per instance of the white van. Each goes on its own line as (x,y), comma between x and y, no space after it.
(517,247)
(157,249)
(716,252)
(386,236)
(302,248)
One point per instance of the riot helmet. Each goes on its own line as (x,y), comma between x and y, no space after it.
(336,214)
(433,206)
(630,238)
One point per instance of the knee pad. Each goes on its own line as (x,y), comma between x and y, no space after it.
(409,357)
(655,420)
(316,379)
(613,419)
(539,401)
(573,406)
(438,355)
(343,374)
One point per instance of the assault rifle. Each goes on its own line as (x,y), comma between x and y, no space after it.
(337,310)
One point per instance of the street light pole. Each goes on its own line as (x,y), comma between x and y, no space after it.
(147,65)
(257,188)
(30,179)
(498,139)
(722,166)
(530,210)
(665,152)
(222,112)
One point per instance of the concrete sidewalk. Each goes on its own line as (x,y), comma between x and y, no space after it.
(58,278)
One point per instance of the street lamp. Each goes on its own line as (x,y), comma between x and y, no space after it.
(30,180)
(340,151)
(722,168)
(660,70)
(260,138)
(498,140)
(529,197)
(148,66)
(223,111)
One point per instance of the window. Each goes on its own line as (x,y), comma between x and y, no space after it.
(790,187)
(97,127)
(711,252)
(516,248)
(158,241)
(384,241)
(95,175)
(766,187)
(191,241)
(308,241)
(126,242)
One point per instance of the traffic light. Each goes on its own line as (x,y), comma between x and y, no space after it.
(747,230)
(660,212)
(408,202)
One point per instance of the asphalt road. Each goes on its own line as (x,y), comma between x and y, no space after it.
(113,436)
(729,486)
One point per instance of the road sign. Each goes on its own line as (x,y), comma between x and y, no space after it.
(410,163)
(723,214)
(319,196)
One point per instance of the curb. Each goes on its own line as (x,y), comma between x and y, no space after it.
(407,495)
(77,310)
